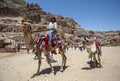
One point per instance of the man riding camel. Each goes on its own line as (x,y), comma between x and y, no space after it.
(52,26)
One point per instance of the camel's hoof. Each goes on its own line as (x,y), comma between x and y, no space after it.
(52,70)
(94,66)
(61,69)
(37,73)
(101,66)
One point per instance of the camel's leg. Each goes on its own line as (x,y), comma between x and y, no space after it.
(48,60)
(90,56)
(99,60)
(61,69)
(28,51)
(63,59)
(39,60)
(94,59)
(36,55)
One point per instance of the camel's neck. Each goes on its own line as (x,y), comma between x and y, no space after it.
(91,48)
(93,45)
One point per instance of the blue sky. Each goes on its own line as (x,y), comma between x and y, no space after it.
(98,15)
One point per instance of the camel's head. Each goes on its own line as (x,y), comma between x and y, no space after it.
(88,48)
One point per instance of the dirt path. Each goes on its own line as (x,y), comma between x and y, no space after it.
(22,67)
(9,54)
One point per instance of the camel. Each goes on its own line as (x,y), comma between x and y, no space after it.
(93,50)
(46,47)
(29,42)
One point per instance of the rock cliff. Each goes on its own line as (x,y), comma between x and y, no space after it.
(13,11)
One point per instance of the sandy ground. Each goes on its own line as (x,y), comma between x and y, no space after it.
(21,67)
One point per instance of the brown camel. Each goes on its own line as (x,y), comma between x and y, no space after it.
(46,47)
(43,45)
(29,42)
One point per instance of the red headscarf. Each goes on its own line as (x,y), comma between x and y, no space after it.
(52,19)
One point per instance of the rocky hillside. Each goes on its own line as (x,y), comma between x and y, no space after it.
(12,8)
(12,12)
(108,38)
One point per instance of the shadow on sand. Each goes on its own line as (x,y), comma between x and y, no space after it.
(91,65)
(48,71)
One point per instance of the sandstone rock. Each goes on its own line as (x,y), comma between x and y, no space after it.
(68,28)
(12,7)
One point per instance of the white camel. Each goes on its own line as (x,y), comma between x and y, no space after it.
(93,51)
